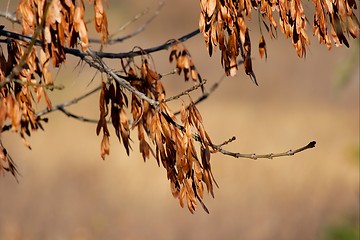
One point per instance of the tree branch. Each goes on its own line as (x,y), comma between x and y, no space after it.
(110,55)
(186,92)
(206,94)
(268,156)
(61,106)
(77,117)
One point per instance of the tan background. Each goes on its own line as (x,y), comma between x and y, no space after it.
(67,192)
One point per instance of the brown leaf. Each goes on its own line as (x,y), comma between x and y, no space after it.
(105,146)
(47,100)
(103,105)
(184,63)
(27,17)
(101,23)
(182,196)
(125,131)
(174,189)
(248,69)
(79,24)
(262,47)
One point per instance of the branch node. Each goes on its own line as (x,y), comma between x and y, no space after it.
(290,152)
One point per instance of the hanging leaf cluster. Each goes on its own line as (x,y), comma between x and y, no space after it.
(174,145)
(184,63)
(61,24)
(24,72)
(17,98)
(223,24)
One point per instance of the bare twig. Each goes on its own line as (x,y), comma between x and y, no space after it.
(50,87)
(227,142)
(77,117)
(136,32)
(124,26)
(174,71)
(206,94)
(186,92)
(10,16)
(213,87)
(268,156)
(61,106)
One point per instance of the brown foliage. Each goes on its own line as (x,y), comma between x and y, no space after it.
(184,62)
(24,73)
(173,145)
(17,99)
(223,23)
(181,146)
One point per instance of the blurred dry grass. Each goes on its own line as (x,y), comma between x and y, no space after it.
(67,192)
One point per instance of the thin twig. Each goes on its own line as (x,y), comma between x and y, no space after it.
(77,117)
(125,25)
(174,71)
(207,93)
(10,16)
(61,106)
(227,141)
(268,156)
(213,87)
(43,85)
(186,92)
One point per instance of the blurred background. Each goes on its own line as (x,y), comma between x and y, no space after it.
(66,191)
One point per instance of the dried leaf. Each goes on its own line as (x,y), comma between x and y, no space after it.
(105,146)
(101,23)
(79,24)
(262,48)
(184,63)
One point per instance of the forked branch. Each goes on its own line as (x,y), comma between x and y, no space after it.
(103,67)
